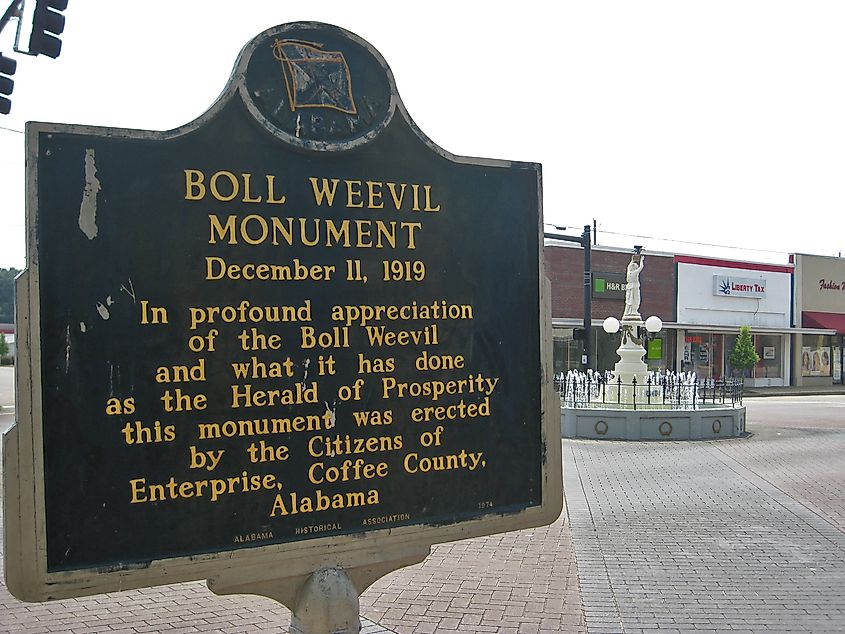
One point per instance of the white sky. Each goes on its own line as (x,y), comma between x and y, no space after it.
(720,121)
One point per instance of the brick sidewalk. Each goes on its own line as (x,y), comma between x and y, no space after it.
(511,583)
(508,584)
(709,536)
(723,536)
(514,583)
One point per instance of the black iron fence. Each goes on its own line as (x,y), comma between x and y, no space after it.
(657,391)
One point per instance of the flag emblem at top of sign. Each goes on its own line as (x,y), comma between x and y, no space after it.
(315,78)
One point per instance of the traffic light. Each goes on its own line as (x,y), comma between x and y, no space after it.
(7,69)
(47,24)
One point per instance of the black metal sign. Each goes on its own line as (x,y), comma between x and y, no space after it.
(292,319)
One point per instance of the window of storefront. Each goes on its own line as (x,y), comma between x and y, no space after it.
(768,348)
(703,355)
(606,346)
(659,350)
(568,351)
(565,350)
(837,361)
(817,356)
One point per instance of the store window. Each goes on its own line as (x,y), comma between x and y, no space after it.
(606,346)
(566,351)
(659,350)
(816,356)
(837,361)
(703,355)
(768,348)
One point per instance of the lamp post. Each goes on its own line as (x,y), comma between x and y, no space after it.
(585,242)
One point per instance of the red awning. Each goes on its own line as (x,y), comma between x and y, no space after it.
(833,321)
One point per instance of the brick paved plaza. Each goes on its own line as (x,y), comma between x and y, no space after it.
(732,535)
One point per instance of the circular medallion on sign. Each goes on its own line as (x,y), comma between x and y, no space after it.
(665,428)
(318,87)
(717,426)
(601,428)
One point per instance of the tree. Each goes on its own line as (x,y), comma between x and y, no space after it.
(4,347)
(7,295)
(743,356)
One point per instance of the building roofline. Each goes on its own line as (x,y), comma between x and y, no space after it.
(734,264)
(815,255)
(551,242)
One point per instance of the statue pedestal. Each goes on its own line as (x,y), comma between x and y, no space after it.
(630,365)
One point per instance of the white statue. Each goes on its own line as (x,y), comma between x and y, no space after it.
(632,288)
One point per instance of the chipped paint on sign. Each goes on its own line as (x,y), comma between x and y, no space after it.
(88,208)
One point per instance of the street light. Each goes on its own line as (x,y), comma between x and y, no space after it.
(610,325)
(653,324)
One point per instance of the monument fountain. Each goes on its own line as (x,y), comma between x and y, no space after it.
(632,403)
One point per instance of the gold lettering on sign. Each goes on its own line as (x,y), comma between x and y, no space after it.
(317,366)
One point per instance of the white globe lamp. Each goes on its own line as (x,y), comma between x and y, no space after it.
(611,325)
(653,324)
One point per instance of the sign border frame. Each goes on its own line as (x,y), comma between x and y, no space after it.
(23,457)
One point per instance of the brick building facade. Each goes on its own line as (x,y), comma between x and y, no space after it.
(564,266)
(795,318)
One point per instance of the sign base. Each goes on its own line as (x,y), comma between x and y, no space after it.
(324,601)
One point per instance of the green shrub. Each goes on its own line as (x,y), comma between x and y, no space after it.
(743,356)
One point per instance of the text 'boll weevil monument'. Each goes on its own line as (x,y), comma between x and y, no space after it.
(632,403)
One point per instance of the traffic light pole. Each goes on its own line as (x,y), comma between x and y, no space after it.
(588,296)
(585,243)
(47,23)
(13,11)
(7,64)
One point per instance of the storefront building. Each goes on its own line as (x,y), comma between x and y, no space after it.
(716,298)
(565,269)
(819,297)
(796,313)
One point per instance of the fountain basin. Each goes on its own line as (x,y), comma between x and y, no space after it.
(706,422)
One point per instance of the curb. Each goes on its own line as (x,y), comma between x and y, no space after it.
(776,392)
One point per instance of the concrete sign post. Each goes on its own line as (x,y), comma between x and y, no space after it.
(285,348)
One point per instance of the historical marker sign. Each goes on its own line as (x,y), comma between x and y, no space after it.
(294,322)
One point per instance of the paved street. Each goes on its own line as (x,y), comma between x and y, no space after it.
(732,535)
